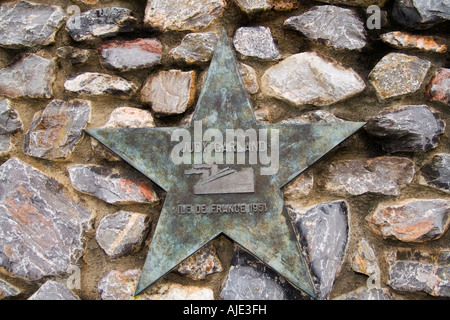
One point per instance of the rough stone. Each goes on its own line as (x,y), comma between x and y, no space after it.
(7,290)
(112,185)
(201,264)
(52,290)
(25,24)
(196,48)
(122,233)
(337,27)
(250,78)
(100,23)
(299,187)
(323,231)
(122,117)
(179,15)
(131,55)
(175,291)
(119,285)
(250,279)
(57,129)
(413,220)
(31,76)
(382,175)
(5,145)
(42,224)
(256,42)
(398,74)
(436,173)
(438,88)
(364,259)
(252,7)
(420,13)
(316,116)
(170,92)
(73,54)
(413,128)
(358,3)
(92,83)
(262,115)
(415,271)
(403,40)
(306,78)
(10,122)
(365,293)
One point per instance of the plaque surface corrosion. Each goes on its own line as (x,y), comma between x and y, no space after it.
(223,175)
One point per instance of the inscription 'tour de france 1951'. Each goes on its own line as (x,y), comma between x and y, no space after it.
(222,208)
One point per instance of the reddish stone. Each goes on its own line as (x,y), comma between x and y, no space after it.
(439,87)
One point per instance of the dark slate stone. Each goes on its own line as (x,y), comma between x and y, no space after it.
(421,13)
(436,173)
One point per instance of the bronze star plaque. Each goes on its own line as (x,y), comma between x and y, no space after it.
(223,174)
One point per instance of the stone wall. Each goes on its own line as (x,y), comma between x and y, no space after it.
(377,206)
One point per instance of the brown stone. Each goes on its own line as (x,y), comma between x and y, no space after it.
(201,264)
(402,40)
(438,88)
(299,187)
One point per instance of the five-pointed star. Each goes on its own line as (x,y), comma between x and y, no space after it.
(268,234)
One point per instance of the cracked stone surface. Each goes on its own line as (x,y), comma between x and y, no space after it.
(52,290)
(201,264)
(404,40)
(436,173)
(364,259)
(7,290)
(256,42)
(196,47)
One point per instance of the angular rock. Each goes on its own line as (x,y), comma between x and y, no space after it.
(299,187)
(170,92)
(123,117)
(323,232)
(436,173)
(413,220)
(179,15)
(256,42)
(25,24)
(5,145)
(201,264)
(248,75)
(122,233)
(382,175)
(39,75)
(306,78)
(250,279)
(365,293)
(131,55)
(438,88)
(358,3)
(398,74)
(316,116)
(414,128)
(57,129)
(118,285)
(337,27)
(251,7)
(7,290)
(112,185)
(420,13)
(196,47)
(100,23)
(175,291)
(95,84)
(262,115)
(10,122)
(52,290)
(415,271)
(364,259)
(42,225)
(73,54)
(403,40)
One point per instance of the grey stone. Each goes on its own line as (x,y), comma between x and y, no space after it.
(74,55)
(250,78)
(100,23)
(57,129)
(179,15)
(436,173)
(411,128)
(42,225)
(365,293)
(7,290)
(337,27)
(398,74)
(412,220)
(175,291)
(112,185)
(256,42)
(306,78)
(316,116)
(52,290)
(420,271)
(122,233)
(196,47)
(31,76)
(358,3)
(382,175)
(252,7)
(323,232)
(421,13)
(119,285)
(201,264)
(97,84)
(26,24)
(250,279)
(364,259)
(10,122)
(5,145)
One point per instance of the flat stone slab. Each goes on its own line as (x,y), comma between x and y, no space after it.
(25,24)
(413,220)
(201,264)
(39,73)
(307,78)
(403,40)
(335,26)
(256,42)
(42,225)
(57,129)
(112,185)
(438,89)
(436,173)
(382,175)
(52,290)
(196,48)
